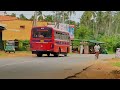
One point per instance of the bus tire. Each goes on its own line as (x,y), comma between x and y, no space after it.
(39,55)
(67,50)
(65,54)
(48,54)
(56,55)
(59,51)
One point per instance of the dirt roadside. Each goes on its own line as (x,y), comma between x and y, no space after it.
(102,69)
(16,54)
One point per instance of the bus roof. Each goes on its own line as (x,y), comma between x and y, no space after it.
(60,30)
(52,28)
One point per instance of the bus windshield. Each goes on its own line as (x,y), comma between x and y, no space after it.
(46,33)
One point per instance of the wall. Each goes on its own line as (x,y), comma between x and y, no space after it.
(15,32)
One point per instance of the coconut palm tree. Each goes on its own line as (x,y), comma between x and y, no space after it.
(70,13)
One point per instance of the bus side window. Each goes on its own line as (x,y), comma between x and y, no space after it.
(55,35)
(67,37)
(63,36)
(58,35)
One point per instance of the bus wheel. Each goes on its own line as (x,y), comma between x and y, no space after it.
(56,55)
(65,54)
(48,54)
(39,55)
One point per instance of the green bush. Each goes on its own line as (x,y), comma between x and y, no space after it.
(23,45)
(116,46)
(111,42)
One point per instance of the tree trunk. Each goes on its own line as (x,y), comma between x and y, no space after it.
(63,17)
(116,29)
(69,18)
(96,34)
(109,29)
(35,19)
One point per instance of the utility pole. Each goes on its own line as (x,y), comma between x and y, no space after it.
(5,13)
(57,20)
(63,16)
(35,19)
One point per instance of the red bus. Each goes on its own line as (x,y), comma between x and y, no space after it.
(48,40)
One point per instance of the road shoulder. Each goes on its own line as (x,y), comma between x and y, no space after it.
(101,69)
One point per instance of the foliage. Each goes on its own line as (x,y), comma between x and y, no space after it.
(102,26)
(13,15)
(22,17)
(23,45)
(49,18)
(116,64)
(32,17)
(40,18)
(70,22)
(76,43)
(83,33)
(62,16)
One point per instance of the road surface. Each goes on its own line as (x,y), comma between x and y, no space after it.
(45,67)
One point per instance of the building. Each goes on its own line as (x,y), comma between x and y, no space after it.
(16,28)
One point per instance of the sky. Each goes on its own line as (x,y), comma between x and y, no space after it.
(28,14)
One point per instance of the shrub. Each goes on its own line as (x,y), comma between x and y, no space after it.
(23,45)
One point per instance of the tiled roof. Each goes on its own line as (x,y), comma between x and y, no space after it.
(7,18)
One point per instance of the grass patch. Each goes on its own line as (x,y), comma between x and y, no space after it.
(2,55)
(70,53)
(116,64)
(111,52)
(23,51)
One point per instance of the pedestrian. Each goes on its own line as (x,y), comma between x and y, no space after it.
(97,50)
(81,49)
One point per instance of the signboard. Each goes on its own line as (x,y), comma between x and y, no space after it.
(66,27)
(71,31)
(63,26)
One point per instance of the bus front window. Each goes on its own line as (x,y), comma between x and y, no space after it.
(45,33)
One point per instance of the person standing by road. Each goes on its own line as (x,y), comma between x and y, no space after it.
(97,50)
(81,49)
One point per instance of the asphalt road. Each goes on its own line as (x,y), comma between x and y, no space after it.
(45,67)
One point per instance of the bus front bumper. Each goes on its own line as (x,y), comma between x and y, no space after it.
(41,51)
